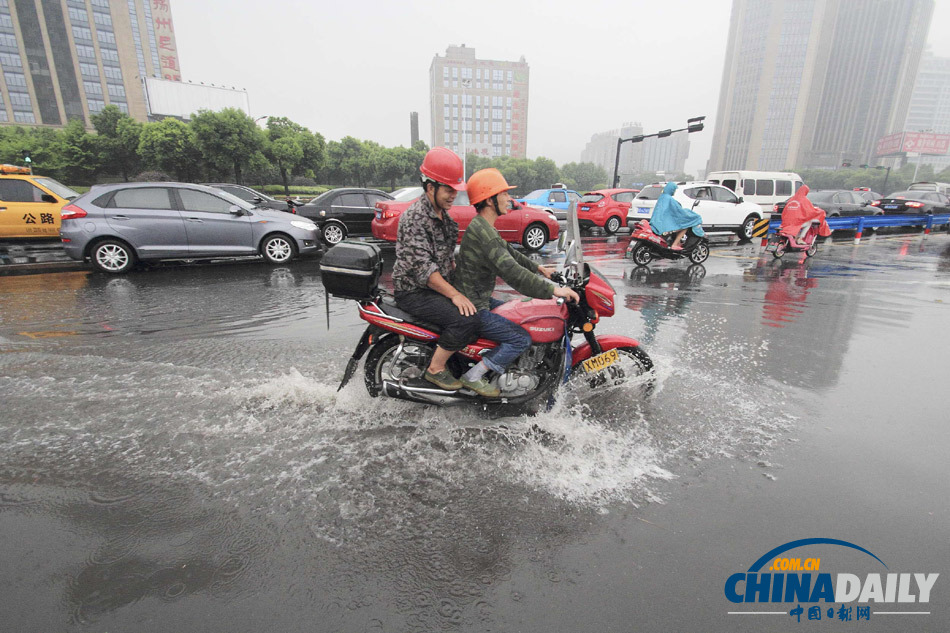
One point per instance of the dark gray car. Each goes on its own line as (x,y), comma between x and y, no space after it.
(113,226)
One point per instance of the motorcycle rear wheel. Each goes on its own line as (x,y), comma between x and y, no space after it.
(641,255)
(780,249)
(379,361)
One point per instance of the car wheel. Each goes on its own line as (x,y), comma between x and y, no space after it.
(333,233)
(278,249)
(612,225)
(641,255)
(747,227)
(112,256)
(535,237)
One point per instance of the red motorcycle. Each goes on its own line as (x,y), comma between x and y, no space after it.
(398,345)
(779,244)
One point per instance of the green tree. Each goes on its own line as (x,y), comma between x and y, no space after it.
(584,176)
(394,163)
(350,162)
(79,155)
(228,140)
(169,145)
(117,142)
(293,149)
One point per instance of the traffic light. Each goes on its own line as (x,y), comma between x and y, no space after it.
(845,164)
(26,156)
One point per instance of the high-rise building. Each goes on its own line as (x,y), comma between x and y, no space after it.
(479,105)
(814,83)
(413,128)
(930,104)
(652,155)
(68,59)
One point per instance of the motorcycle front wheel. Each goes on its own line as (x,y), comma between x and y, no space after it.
(641,255)
(383,363)
(633,363)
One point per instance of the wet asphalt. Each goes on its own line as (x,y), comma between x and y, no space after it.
(175,455)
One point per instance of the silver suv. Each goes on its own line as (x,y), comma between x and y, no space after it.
(113,226)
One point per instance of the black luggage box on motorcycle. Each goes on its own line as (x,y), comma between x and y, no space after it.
(351,270)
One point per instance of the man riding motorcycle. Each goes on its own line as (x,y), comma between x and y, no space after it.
(422,274)
(669,216)
(484,256)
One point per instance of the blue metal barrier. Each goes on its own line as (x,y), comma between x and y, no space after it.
(860,222)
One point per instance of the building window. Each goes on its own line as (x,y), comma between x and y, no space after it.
(89,70)
(20,100)
(10,60)
(8,40)
(102,19)
(82,33)
(96,105)
(78,15)
(86,52)
(112,72)
(15,79)
(92,87)
(105,37)
(116,90)
(24,117)
(109,54)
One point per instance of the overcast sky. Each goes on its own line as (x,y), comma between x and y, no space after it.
(359,68)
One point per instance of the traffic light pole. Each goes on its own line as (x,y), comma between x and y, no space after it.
(692,125)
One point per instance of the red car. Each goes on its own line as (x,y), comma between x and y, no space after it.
(530,227)
(606,208)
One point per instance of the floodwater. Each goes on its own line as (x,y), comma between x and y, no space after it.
(175,454)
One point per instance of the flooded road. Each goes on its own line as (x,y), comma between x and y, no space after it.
(175,455)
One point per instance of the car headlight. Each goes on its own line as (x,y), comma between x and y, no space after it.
(323,214)
(306,226)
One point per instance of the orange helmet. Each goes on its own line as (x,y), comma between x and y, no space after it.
(486,183)
(443,166)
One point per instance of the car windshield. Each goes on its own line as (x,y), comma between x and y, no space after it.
(820,196)
(407,193)
(537,193)
(592,197)
(650,193)
(58,188)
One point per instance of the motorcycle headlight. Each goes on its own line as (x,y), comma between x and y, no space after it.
(306,226)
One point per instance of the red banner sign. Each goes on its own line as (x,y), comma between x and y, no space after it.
(914,143)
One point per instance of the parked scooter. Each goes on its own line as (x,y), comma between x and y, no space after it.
(398,345)
(645,245)
(779,244)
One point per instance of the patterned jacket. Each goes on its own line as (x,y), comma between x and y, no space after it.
(424,244)
(484,255)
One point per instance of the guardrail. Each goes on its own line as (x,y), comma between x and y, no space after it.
(860,222)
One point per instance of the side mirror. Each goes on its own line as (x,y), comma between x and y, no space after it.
(48,198)
(695,202)
(741,200)
(235,210)
(515,205)
(257,199)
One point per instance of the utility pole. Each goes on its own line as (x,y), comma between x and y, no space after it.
(692,125)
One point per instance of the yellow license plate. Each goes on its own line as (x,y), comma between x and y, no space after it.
(601,361)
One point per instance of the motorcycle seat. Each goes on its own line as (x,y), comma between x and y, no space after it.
(388,305)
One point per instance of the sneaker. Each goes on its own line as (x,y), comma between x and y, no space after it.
(482,387)
(443,380)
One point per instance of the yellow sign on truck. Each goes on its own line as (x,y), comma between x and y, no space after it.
(29,204)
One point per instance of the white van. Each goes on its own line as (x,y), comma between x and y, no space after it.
(940,187)
(765,188)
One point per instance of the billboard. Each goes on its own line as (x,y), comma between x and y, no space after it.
(180,99)
(913,142)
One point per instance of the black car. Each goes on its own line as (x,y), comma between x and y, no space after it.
(914,202)
(343,212)
(256,198)
(838,203)
(867,194)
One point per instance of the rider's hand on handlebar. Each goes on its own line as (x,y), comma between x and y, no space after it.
(567,293)
(466,307)
(547,271)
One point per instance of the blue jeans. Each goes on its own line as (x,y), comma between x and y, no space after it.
(512,339)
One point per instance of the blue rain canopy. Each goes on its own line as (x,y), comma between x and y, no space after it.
(670,216)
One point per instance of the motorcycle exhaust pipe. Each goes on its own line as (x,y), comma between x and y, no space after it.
(428,395)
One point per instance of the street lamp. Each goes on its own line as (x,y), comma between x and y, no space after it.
(886,176)
(260,117)
(466,83)
(692,125)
